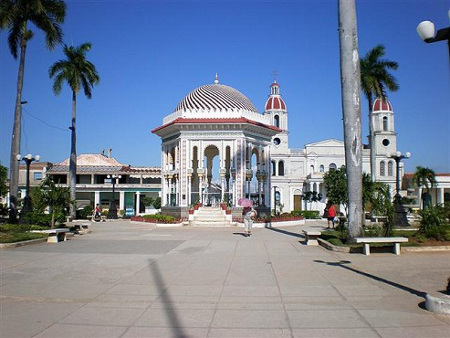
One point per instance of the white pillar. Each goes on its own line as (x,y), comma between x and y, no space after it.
(138,203)
(96,198)
(122,200)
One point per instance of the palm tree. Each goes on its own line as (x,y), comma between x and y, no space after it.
(14,16)
(351,113)
(79,74)
(375,79)
(424,177)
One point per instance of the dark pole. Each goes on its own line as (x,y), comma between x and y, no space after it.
(112,213)
(27,205)
(400,218)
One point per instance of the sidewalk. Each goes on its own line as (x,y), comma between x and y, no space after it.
(128,279)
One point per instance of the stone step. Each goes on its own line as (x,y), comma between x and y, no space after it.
(210,224)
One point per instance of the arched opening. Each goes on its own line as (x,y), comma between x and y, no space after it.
(391,168)
(276,120)
(274,167)
(211,187)
(382,168)
(385,124)
(332,167)
(322,168)
(281,168)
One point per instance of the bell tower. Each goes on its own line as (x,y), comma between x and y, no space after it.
(385,137)
(276,109)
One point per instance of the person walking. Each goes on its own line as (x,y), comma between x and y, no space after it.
(331,215)
(249,215)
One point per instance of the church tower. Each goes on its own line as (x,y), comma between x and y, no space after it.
(384,138)
(275,108)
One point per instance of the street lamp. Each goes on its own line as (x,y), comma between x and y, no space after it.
(112,213)
(400,213)
(27,205)
(426,31)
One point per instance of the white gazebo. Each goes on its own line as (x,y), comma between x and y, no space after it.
(215,120)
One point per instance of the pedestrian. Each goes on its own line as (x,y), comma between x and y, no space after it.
(97,212)
(331,215)
(249,215)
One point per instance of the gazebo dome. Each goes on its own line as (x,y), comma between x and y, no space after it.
(215,97)
(382,105)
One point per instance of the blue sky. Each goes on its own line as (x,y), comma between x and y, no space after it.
(150,54)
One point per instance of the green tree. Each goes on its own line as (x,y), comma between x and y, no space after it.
(336,185)
(57,199)
(79,74)
(3,180)
(375,79)
(424,177)
(15,16)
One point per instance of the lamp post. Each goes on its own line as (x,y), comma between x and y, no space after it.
(427,33)
(27,205)
(112,213)
(400,213)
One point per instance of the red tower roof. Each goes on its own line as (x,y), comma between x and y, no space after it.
(382,105)
(275,103)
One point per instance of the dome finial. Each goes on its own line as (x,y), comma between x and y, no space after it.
(216,80)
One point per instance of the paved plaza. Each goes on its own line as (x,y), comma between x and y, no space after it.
(129,279)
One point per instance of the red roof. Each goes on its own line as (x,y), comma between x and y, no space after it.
(182,120)
(382,105)
(275,103)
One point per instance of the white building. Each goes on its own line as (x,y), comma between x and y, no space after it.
(253,155)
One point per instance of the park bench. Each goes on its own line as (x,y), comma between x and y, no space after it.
(395,241)
(311,237)
(54,235)
(81,229)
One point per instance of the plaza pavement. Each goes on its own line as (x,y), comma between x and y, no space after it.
(129,279)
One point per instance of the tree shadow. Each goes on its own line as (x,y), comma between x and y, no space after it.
(172,316)
(285,232)
(343,264)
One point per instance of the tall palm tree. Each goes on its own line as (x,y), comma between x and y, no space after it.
(375,79)
(424,177)
(79,74)
(351,112)
(15,15)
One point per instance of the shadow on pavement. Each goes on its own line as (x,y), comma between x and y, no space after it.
(171,313)
(343,264)
(285,232)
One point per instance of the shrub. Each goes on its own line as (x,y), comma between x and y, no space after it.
(85,213)
(309,214)
(157,218)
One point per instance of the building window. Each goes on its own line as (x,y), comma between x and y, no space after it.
(385,123)
(321,168)
(38,176)
(391,168)
(332,166)
(273,168)
(281,168)
(311,169)
(382,168)
(277,121)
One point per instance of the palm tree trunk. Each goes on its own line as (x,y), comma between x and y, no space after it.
(373,167)
(351,111)
(16,135)
(73,159)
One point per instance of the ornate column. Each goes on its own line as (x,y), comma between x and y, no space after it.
(248,177)
(233,186)
(189,172)
(200,173)
(222,182)
(122,200)
(96,198)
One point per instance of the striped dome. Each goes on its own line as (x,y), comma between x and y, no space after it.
(382,105)
(215,97)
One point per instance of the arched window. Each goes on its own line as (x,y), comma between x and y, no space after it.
(321,168)
(332,166)
(274,167)
(276,119)
(382,168)
(311,169)
(391,168)
(385,123)
(281,168)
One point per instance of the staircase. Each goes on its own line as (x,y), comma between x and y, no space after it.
(210,217)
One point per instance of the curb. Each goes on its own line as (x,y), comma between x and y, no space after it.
(439,305)
(425,248)
(23,243)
